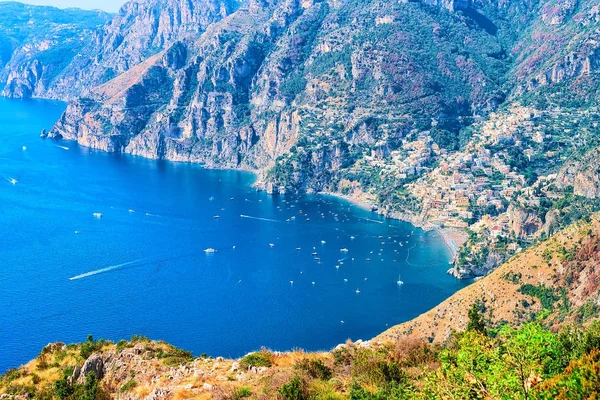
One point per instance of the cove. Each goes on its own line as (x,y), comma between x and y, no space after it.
(114,245)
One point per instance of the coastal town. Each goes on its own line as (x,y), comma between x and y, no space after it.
(475,196)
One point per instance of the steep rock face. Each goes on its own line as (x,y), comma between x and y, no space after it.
(583,175)
(24,81)
(561,47)
(523,223)
(310,81)
(451,5)
(141,29)
(473,270)
(36,44)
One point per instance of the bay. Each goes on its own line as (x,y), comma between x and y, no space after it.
(141,268)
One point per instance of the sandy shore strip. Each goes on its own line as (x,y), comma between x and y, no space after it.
(453,238)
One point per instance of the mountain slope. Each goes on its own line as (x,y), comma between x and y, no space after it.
(557,280)
(346,75)
(37,44)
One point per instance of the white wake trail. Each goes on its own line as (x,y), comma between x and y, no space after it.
(259,218)
(107,269)
(374,220)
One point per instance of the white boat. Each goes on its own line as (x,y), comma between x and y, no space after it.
(210,250)
(131,211)
(357,291)
(12,181)
(216,217)
(24,148)
(400,282)
(344,250)
(98,215)
(271,245)
(323,242)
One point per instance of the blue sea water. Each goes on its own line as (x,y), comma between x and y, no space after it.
(142,269)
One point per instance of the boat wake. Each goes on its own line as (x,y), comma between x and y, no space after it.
(107,269)
(61,147)
(374,220)
(408,255)
(259,218)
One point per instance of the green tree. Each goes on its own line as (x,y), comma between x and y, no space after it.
(476,323)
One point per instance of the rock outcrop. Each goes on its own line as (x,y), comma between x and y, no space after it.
(94,364)
(523,223)
(583,175)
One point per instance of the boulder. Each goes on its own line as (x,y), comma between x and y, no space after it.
(95,364)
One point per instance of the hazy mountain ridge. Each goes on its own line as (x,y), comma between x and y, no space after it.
(37,43)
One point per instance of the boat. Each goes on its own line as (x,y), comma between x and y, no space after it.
(352,237)
(399,282)
(24,148)
(344,250)
(291,282)
(313,253)
(98,215)
(323,242)
(357,291)
(12,181)
(216,217)
(210,250)
(131,211)
(271,245)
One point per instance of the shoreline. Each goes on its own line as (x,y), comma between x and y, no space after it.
(453,238)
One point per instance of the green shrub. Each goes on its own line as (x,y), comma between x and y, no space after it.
(545,294)
(121,345)
(242,392)
(261,358)
(295,389)
(128,386)
(316,369)
(89,346)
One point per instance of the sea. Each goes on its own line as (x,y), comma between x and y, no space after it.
(114,245)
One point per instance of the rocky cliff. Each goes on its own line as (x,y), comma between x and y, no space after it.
(314,82)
